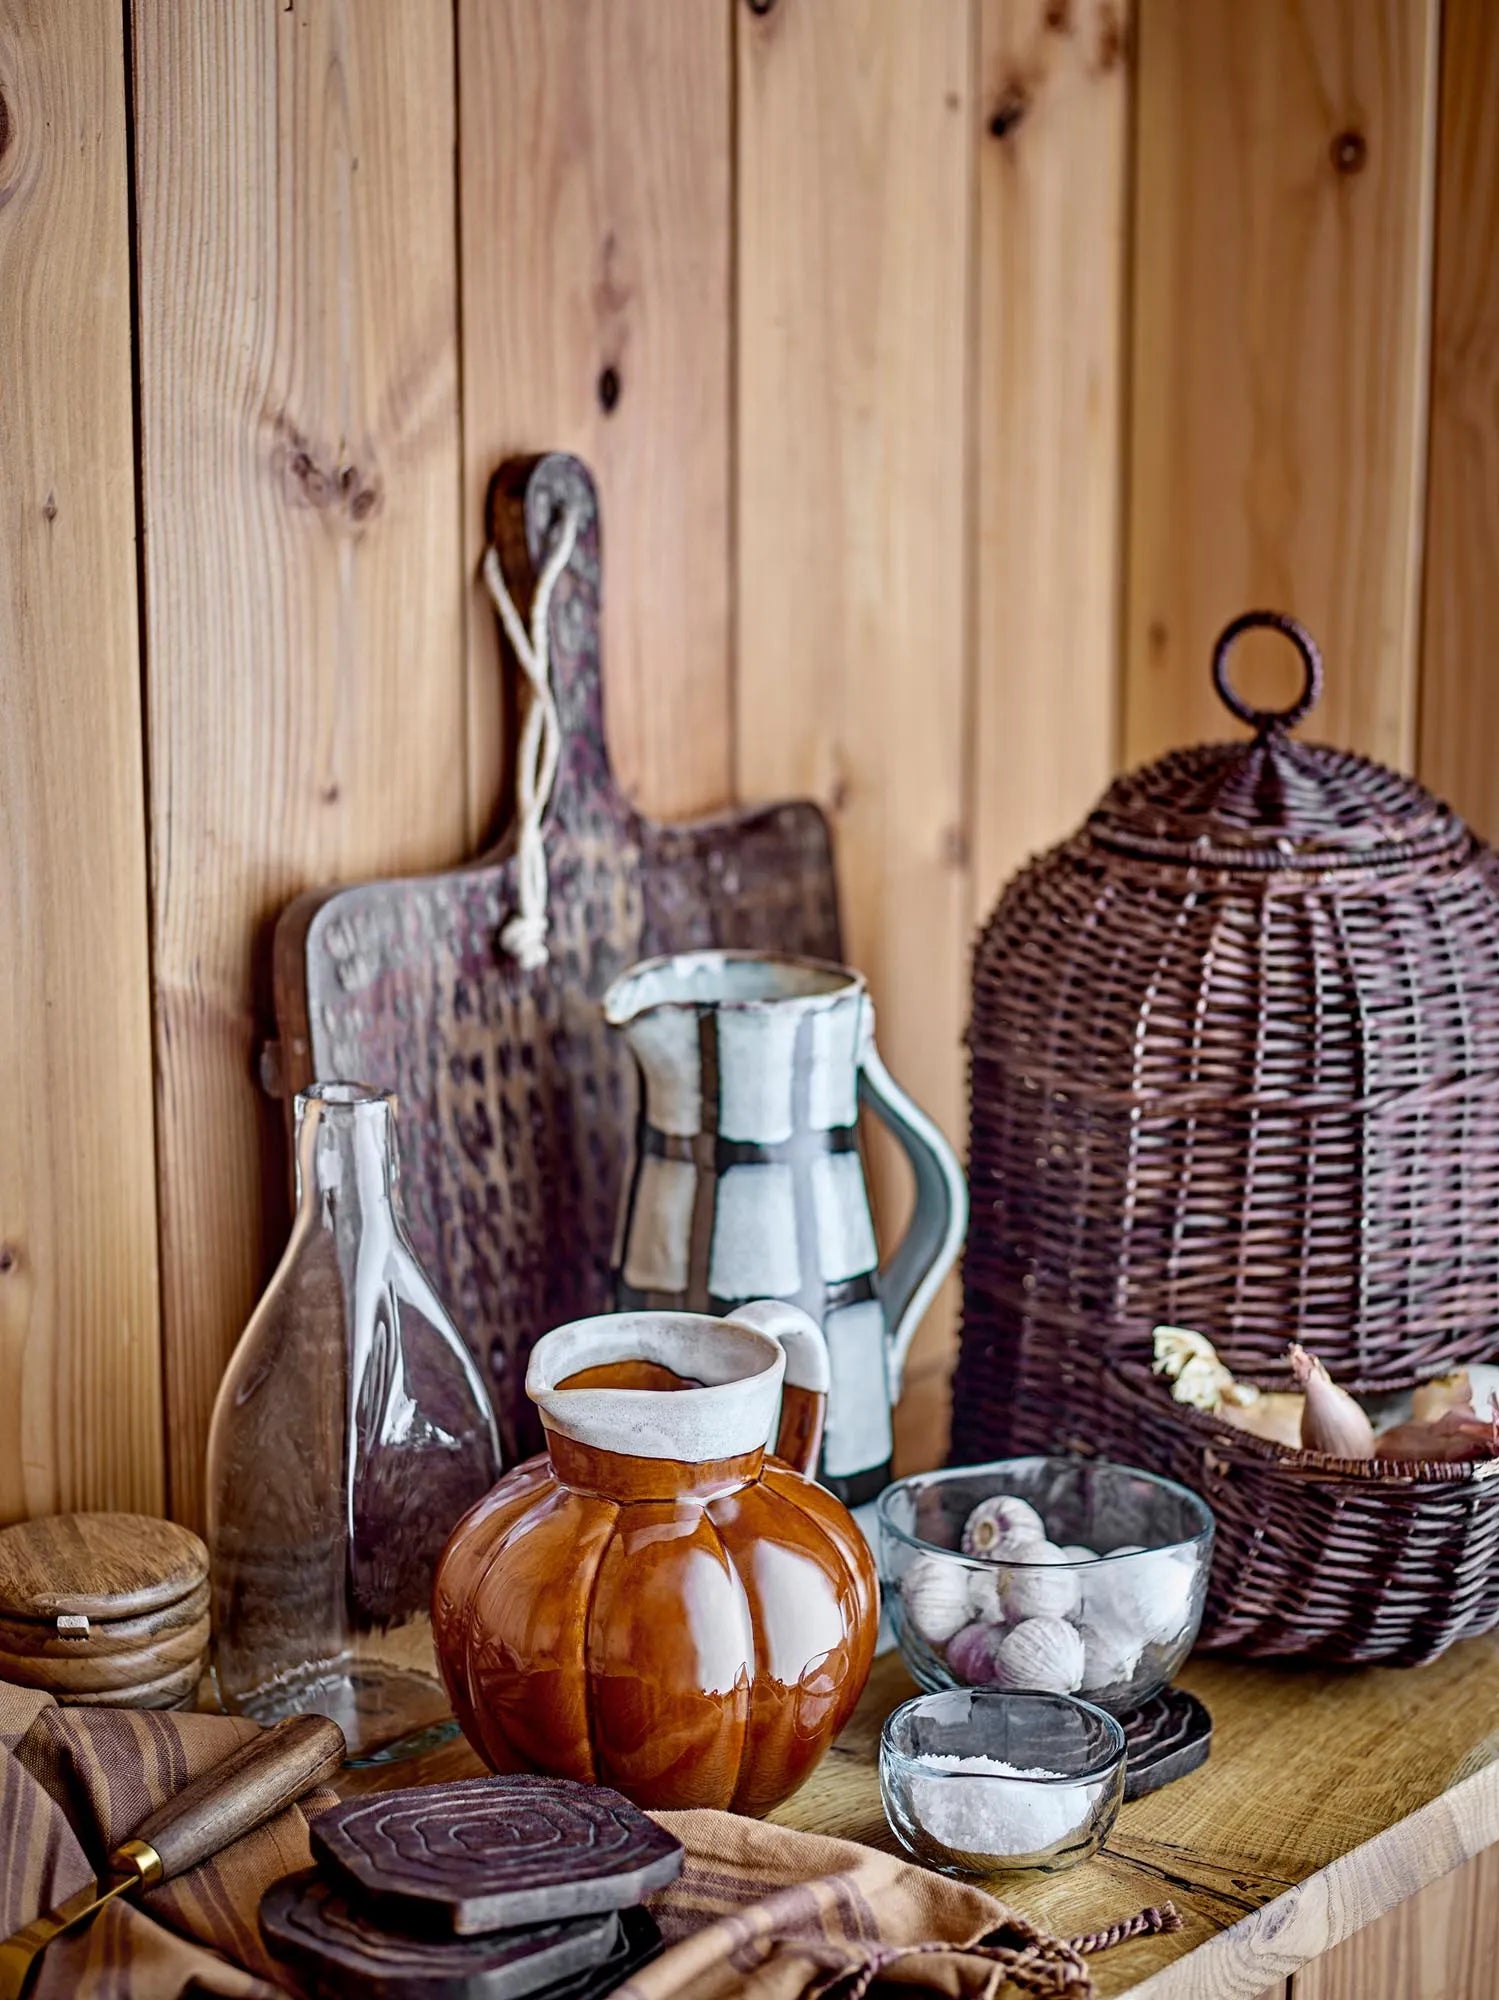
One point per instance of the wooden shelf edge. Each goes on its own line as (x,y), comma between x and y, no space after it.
(1366,1883)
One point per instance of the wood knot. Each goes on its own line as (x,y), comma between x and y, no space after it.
(1014,102)
(341,492)
(760,6)
(1112,42)
(49,508)
(4,124)
(8,1258)
(1349,152)
(1058,16)
(609,387)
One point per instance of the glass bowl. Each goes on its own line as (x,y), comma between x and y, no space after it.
(1114,1627)
(1052,1807)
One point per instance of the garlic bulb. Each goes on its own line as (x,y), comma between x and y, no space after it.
(973,1654)
(1331,1422)
(1110,1656)
(1147,1598)
(1037,1588)
(1001,1519)
(1076,1553)
(935,1594)
(986,1595)
(1043,1653)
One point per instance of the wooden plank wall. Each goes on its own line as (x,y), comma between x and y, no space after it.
(950,372)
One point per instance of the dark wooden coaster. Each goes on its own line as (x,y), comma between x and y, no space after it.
(1165,1738)
(489,1854)
(638,1943)
(338,1947)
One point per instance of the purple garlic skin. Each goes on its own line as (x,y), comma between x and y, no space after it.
(973,1654)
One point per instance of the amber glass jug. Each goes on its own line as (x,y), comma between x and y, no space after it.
(656,1604)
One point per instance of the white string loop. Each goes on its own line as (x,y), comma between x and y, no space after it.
(524,936)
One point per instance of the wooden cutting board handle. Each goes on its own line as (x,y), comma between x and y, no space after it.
(250,1786)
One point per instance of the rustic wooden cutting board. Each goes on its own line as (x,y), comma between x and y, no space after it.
(517,1103)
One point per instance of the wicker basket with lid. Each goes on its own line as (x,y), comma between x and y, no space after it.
(1235,1065)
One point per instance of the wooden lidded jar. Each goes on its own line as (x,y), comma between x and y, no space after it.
(1235,1066)
(104,1610)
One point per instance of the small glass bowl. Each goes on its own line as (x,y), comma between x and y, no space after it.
(974,1823)
(1131,1615)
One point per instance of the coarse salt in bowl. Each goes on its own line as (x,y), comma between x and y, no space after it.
(1105,1602)
(977,1782)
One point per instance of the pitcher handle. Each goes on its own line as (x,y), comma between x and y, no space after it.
(922,1259)
(804,1392)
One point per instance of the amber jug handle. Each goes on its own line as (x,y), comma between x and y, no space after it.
(804,1393)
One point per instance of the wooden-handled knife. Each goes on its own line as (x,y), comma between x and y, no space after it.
(249,1787)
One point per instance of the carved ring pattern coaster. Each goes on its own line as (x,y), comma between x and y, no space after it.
(336,1947)
(488,1854)
(1165,1738)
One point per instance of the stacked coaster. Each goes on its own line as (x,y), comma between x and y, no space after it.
(104,1610)
(486,1889)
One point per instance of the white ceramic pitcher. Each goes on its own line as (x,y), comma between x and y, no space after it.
(748,1182)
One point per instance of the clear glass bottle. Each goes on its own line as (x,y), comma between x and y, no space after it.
(351,1431)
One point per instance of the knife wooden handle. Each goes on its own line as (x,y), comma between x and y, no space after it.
(251,1785)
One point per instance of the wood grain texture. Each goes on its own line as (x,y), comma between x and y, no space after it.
(1329,1800)
(1282,226)
(855,159)
(1441,1945)
(80,1400)
(1459,688)
(594,166)
(298,341)
(251,1785)
(1053,160)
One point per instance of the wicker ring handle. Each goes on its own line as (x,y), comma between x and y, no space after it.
(1263,720)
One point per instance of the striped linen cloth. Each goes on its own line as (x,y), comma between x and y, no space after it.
(74,1782)
(758,1910)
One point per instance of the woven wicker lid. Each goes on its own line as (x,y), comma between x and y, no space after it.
(1271,803)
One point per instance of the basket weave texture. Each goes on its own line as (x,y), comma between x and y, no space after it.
(1235,1066)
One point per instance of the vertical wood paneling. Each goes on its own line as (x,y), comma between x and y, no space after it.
(298,340)
(80,1415)
(1282,252)
(1459,681)
(1051,217)
(596,222)
(856,135)
(1441,1945)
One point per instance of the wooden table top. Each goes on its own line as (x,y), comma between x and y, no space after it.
(1329,1799)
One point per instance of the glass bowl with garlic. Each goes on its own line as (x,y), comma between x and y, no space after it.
(1061,1575)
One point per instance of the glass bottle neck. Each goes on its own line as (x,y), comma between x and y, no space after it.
(346,1151)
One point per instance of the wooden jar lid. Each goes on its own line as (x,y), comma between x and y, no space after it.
(96,1566)
(104,1608)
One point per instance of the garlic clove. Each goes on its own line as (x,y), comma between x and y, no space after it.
(1331,1421)
(1076,1553)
